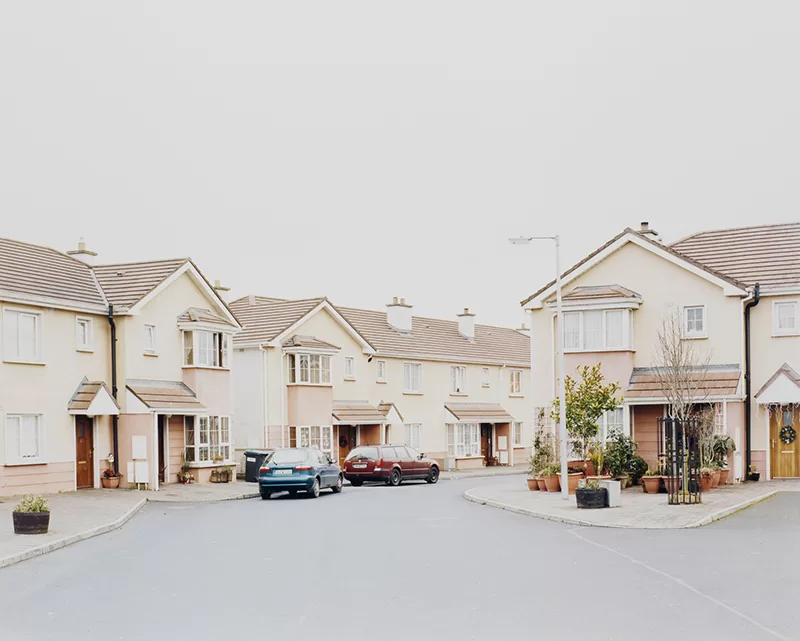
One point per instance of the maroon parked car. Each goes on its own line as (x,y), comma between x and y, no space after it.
(390,464)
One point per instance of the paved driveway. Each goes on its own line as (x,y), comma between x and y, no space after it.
(410,562)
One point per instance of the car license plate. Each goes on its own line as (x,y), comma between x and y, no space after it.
(359,466)
(251,459)
(283,471)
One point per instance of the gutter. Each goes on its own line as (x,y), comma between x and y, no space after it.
(747,383)
(115,418)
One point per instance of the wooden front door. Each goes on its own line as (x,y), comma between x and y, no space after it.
(347,441)
(486,442)
(785,457)
(84,451)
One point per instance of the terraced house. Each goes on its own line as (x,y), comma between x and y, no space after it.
(310,373)
(127,363)
(737,293)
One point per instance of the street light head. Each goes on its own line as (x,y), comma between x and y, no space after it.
(520,240)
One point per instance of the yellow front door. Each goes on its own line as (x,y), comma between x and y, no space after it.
(785,442)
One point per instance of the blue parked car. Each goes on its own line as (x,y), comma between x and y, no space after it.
(301,469)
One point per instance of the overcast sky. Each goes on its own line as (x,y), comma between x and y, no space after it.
(364,150)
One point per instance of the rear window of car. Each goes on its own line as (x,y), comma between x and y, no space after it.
(288,457)
(389,452)
(363,454)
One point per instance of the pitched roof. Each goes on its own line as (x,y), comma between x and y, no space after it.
(765,254)
(594,292)
(41,272)
(783,370)
(268,317)
(125,284)
(86,393)
(479,412)
(174,395)
(200,315)
(716,380)
(357,414)
(384,408)
(311,342)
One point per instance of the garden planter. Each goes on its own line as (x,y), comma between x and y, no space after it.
(533,485)
(552,483)
(542,485)
(598,478)
(705,482)
(671,484)
(573,480)
(588,469)
(651,484)
(110,483)
(753,476)
(723,475)
(31,522)
(590,499)
(623,481)
(715,478)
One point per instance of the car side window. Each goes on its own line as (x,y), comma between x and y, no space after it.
(412,452)
(388,453)
(403,453)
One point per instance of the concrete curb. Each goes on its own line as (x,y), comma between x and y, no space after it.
(238,497)
(706,520)
(477,476)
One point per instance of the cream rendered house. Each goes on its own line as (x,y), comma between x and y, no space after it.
(70,402)
(309,373)
(737,292)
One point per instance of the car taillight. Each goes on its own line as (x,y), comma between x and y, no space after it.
(303,468)
(264,469)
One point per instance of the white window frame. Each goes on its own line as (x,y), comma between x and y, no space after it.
(219,349)
(14,457)
(604,426)
(301,373)
(413,433)
(486,377)
(88,345)
(306,437)
(12,354)
(516,433)
(458,379)
(349,368)
(694,334)
(408,389)
(626,331)
(464,440)
(380,375)
(515,382)
(210,439)
(777,331)
(149,329)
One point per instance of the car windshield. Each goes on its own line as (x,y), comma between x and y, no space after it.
(363,454)
(288,457)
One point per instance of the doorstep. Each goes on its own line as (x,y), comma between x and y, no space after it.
(638,510)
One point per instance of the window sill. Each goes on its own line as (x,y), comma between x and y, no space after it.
(19,362)
(485,386)
(467,458)
(349,379)
(85,350)
(695,338)
(308,385)
(516,396)
(458,394)
(787,335)
(600,350)
(519,447)
(412,393)
(153,354)
(207,464)
(24,463)
(383,382)
(223,369)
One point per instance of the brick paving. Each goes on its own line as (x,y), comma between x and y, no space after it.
(638,510)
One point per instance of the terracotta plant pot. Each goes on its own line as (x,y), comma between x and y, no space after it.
(604,477)
(651,484)
(533,485)
(715,478)
(110,483)
(723,475)
(705,482)
(671,484)
(31,522)
(623,481)
(552,483)
(542,485)
(573,479)
(588,469)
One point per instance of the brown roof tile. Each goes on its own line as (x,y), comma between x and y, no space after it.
(385,408)
(479,412)
(720,380)
(268,317)
(595,292)
(308,341)
(199,315)
(357,413)
(125,284)
(85,393)
(165,395)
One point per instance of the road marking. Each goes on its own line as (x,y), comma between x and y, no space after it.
(682,583)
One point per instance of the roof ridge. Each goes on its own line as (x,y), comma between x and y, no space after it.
(428,318)
(143,262)
(48,248)
(730,229)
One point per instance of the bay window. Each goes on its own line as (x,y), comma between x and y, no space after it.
(206,349)
(318,436)
(310,369)
(610,422)
(463,439)
(209,440)
(597,330)
(24,439)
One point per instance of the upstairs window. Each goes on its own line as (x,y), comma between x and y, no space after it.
(485,377)
(412,378)
(83,334)
(596,330)
(310,369)
(206,349)
(694,321)
(381,374)
(515,377)
(349,368)
(149,339)
(785,318)
(22,336)
(458,379)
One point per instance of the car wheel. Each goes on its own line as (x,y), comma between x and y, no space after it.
(395,478)
(338,487)
(265,494)
(357,482)
(433,475)
(314,491)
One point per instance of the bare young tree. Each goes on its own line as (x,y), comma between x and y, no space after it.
(681,370)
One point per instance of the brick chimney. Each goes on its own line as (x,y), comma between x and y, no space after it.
(82,253)
(466,324)
(524,330)
(644,230)
(398,315)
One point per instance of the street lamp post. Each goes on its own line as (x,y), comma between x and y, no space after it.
(562,403)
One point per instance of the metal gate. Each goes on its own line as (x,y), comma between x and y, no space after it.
(679,453)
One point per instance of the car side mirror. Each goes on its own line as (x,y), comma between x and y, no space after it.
(421,455)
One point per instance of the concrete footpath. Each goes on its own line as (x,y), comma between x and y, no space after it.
(76,516)
(484,472)
(638,510)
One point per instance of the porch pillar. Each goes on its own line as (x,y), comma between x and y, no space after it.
(767,431)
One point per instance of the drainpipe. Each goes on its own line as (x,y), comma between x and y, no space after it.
(747,385)
(115,418)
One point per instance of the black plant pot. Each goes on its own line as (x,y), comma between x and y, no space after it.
(591,499)
(754,476)
(31,522)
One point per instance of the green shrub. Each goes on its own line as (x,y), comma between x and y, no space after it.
(32,503)
(637,468)
(620,450)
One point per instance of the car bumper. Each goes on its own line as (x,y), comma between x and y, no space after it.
(278,484)
(366,476)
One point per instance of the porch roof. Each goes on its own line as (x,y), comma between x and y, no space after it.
(386,408)
(93,398)
(356,413)
(783,387)
(309,342)
(715,381)
(479,412)
(165,395)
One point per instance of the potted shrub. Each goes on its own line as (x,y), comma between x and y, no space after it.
(651,482)
(721,445)
(110,478)
(31,515)
(637,469)
(574,476)
(753,474)
(706,476)
(541,456)
(550,475)
(620,450)
(716,476)
(597,461)
(541,483)
(185,475)
(590,496)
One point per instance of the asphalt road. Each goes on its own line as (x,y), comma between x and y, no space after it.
(413,562)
